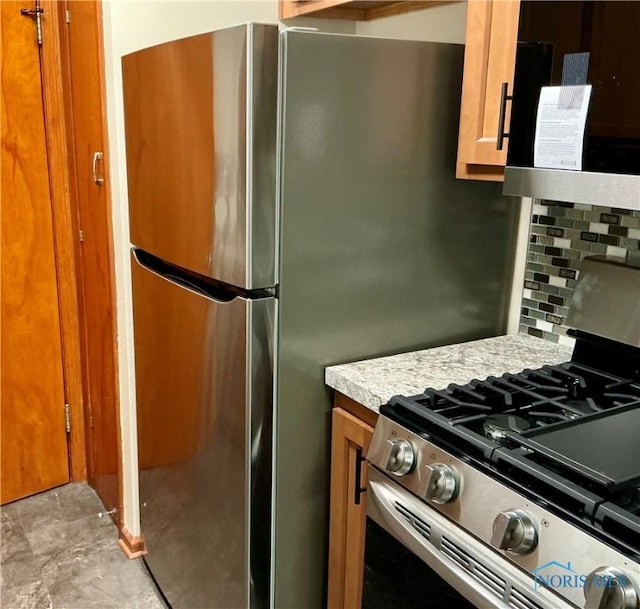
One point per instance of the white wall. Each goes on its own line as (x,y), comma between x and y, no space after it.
(131,25)
(444,23)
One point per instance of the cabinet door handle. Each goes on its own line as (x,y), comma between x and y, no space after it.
(359,488)
(97,156)
(504,98)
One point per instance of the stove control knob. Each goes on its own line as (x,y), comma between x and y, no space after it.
(609,588)
(441,483)
(514,531)
(401,457)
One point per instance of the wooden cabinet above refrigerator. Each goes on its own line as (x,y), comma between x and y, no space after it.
(356,10)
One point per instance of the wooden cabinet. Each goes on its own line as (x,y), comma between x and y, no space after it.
(357,10)
(489,61)
(349,442)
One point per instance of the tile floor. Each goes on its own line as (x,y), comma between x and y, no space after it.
(57,554)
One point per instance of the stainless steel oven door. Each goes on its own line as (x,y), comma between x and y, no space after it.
(472,569)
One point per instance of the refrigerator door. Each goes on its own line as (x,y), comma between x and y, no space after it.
(204,401)
(200,117)
(382,250)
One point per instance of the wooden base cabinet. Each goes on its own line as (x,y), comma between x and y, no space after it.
(489,63)
(349,442)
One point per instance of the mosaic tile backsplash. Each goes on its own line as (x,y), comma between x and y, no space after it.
(561,235)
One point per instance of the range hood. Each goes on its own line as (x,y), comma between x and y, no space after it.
(606,189)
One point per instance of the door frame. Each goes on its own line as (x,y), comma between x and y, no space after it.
(55,66)
(82,57)
(64,234)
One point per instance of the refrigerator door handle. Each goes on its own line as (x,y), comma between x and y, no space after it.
(189,285)
(183,278)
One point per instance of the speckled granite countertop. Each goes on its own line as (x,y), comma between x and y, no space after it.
(372,382)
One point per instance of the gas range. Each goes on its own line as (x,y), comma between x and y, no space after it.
(523,490)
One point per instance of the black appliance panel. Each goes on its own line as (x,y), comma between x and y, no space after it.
(607,30)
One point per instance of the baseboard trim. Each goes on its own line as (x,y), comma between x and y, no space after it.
(132,545)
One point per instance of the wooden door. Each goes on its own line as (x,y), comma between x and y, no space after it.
(350,439)
(33,432)
(489,61)
(82,46)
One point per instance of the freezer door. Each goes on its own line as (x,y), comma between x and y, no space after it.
(200,121)
(204,404)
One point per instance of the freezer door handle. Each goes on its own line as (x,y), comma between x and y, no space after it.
(185,283)
(185,279)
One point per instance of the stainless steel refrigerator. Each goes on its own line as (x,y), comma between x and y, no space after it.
(292,205)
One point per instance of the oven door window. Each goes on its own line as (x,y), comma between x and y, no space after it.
(395,577)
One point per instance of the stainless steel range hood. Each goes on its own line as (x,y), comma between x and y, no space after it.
(607,189)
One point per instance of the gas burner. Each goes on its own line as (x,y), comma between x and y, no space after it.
(496,426)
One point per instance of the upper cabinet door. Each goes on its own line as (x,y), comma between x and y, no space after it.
(489,61)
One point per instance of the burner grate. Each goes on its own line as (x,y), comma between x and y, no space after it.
(520,427)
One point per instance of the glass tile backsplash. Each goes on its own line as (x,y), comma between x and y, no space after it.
(561,235)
